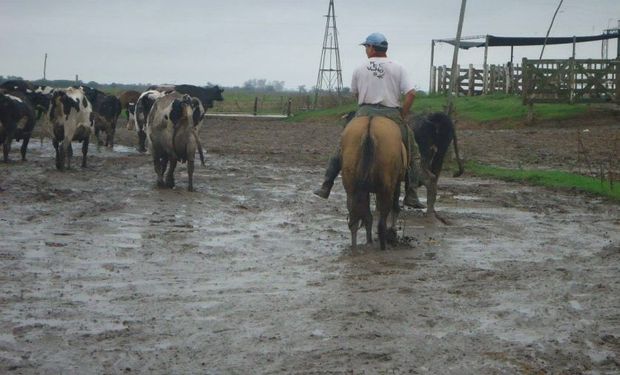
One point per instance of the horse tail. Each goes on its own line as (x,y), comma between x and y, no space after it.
(366,159)
(200,151)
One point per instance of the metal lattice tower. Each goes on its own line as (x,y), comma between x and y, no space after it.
(330,72)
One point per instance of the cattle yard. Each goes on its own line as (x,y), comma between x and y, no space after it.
(103,272)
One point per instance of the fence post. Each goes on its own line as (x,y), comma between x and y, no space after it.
(508,78)
(617,63)
(288,107)
(471,80)
(571,80)
(255,105)
(433,88)
(440,75)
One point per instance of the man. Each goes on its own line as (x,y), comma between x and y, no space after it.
(378,86)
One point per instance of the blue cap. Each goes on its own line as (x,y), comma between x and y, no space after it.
(376,40)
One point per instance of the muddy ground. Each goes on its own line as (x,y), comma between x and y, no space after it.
(104,273)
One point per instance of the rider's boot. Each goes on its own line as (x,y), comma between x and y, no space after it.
(333,168)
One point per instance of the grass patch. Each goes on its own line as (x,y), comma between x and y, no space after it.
(483,108)
(552,179)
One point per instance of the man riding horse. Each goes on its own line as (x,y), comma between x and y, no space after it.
(378,85)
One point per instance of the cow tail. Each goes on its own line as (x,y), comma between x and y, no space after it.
(366,158)
(459,161)
(200,151)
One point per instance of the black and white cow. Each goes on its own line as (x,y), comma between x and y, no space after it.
(106,110)
(70,115)
(172,136)
(143,107)
(17,121)
(17,85)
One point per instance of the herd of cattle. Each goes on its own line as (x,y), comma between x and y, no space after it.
(168,115)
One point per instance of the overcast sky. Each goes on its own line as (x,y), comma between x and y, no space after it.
(228,42)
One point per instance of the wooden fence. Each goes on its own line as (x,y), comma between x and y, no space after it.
(276,103)
(571,81)
(471,81)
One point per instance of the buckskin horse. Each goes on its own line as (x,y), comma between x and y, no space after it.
(374,160)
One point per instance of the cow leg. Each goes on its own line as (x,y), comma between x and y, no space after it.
(164,165)
(190,175)
(110,139)
(67,152)
(6,148)
(170,174)
(141,141)
(84,151)
(394,212)
(59,154)
(158,163)
(25,146)
(99,142)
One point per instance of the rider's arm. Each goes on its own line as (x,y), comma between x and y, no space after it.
(407,102)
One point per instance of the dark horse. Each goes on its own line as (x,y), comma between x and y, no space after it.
(374,160)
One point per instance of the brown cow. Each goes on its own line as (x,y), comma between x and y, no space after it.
(374,160)
(128,101)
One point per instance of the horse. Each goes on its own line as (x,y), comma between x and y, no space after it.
(374,160)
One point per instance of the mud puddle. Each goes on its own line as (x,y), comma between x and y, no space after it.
(104,273)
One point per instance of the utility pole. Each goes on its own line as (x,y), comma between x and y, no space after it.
(455,74)
(330,71)
(549,30)
(44,66)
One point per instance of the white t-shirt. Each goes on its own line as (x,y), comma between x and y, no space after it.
(380,81)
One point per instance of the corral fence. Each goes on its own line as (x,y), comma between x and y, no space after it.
(571,81)
(284,104)
(471,81)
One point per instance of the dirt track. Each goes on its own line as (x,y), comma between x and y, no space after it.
(104,273)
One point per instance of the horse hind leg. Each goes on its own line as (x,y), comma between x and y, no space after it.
(353,222)
(367,220)
(383,206)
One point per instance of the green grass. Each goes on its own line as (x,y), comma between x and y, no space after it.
(551,179)
(485,109)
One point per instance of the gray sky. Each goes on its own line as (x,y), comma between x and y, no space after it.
(230,41)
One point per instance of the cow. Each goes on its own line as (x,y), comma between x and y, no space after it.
(17,85)
(106,110)
(70,115)
(38,96)
(128,101)
(172,135)
(143,107)
(18,119)
(207,95)
(433,134)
